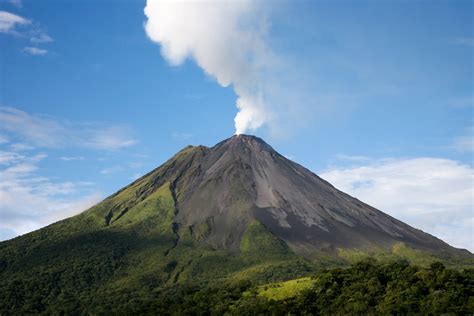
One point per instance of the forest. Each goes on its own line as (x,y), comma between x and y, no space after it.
(365,288)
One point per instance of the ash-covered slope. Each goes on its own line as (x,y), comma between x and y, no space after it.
(218,191)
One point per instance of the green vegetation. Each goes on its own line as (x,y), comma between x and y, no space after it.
(366,288)
(109,272)
(283,290)
(400,251)
(260,243)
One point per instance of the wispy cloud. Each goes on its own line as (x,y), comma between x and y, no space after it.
(111,137)
(40,38)
(22,27)
(43,201)
(432,194)
(9,22)
(43,131)
(35,51)
(7,157)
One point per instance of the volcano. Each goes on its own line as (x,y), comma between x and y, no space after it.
(242,180)
(237,210)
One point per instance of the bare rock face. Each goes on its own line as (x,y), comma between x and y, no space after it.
(220,190)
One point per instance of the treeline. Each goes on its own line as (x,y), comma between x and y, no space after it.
(366,288)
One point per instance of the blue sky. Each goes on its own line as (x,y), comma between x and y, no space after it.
(374,96)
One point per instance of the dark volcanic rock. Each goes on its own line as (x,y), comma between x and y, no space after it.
(241,179)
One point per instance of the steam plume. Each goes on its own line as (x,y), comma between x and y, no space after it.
(226,39)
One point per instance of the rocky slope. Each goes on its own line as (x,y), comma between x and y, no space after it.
(220,190)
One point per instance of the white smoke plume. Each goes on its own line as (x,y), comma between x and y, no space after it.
(227,39)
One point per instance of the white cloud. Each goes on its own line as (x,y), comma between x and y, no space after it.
(433,194)
(8,22)
(45,131)
(29,201)
(7,157)
(35,129)
(35,51)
